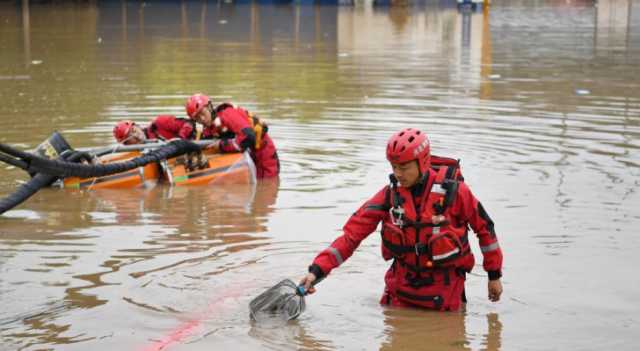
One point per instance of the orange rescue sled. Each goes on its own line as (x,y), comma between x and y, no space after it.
(190,169)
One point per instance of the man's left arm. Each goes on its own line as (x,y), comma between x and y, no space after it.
(237,120)
(471,210)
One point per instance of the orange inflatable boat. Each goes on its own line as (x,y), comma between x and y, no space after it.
(190,169)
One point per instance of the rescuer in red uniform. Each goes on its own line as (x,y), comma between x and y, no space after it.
(425,213)
(163,127)
(238,131)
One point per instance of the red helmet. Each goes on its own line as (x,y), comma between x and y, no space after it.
(410,144)
(196,103)
(122,129)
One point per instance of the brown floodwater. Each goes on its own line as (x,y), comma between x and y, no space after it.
(539,99)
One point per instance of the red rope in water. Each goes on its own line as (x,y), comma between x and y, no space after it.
(190,327)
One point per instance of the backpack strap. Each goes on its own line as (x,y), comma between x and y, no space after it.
(447,178)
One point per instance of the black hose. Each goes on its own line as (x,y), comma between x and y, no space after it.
(25,191)
(14,152)
(79,156)
(37,182)
(14,162)
(70,169)
(24,162)
(46,171)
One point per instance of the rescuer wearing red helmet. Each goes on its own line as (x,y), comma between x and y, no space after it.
(163,127)
(425,213)
(238,131)
(127,132)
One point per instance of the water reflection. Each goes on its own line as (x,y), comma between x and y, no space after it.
(121,35)
(407,329)
(26,32)
(89,249)
(613,20)
(279,335)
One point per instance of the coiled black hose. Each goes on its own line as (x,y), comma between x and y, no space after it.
(62,168)
(45,171)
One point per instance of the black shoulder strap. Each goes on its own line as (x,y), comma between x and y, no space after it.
(194,129)
(451,170)
(450,184)
(387,198)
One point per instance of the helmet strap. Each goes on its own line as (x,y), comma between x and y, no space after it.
(423,177)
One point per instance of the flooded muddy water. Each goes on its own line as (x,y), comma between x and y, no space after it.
(539,99)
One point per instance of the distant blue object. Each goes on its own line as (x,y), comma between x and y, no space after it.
(301,290)
(469,5)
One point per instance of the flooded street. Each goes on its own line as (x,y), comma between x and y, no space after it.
(539,99)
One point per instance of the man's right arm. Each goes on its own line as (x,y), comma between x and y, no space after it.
(362,223)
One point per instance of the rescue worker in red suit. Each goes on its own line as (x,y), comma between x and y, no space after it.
(163,127)
(238,131)
(425,214)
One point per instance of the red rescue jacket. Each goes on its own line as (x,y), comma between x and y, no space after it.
(430,258)
(240,131)
(167,127)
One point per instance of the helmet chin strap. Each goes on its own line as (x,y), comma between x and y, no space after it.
(423,177)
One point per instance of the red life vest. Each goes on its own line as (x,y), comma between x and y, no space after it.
(222,130)
(166,127)
(429,246)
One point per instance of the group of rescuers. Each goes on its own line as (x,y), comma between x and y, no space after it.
(426,209)
(234,128)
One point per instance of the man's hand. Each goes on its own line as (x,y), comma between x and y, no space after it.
(495,290)
(307,280)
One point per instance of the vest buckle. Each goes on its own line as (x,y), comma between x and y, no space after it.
(397,215)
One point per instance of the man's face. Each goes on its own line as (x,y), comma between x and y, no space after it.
(204,117)
(407,173)
(136,136)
